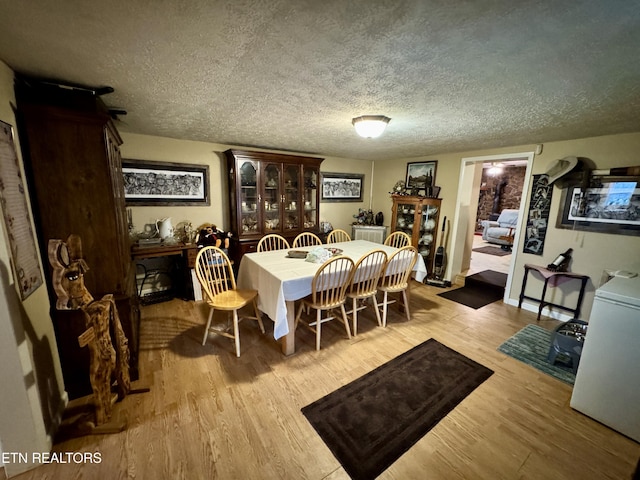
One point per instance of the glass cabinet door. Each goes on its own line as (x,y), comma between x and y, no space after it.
(291,197)
(249,197)
(428,225)
(310,218)
(271,194)
(405,218)
(272,198)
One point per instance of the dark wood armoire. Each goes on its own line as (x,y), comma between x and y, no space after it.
(73,167)
(271,193)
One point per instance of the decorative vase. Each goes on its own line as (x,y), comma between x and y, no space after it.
(379,219)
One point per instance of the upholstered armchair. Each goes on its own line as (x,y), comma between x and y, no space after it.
(502,230)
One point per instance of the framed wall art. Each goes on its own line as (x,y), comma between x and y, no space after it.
(421,175)
(538,217)
(17,220)
(611,207)
(165,183)
(341,187)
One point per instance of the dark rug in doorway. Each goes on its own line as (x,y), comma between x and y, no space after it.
(531,346)
(479,289)
(369,423)
(496,251)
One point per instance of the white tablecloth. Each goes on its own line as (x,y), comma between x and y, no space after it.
(279,279)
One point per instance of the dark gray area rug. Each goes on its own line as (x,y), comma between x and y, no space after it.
(531,346)
(369,423)
(479,289)
(495,251)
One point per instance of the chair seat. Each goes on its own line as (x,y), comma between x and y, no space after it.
(216,276)
(394,288)
(308,300)
(395,278)
(364,284)
(232,299)
(361,295)
(328,290)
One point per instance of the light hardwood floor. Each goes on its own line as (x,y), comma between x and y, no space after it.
(483,261)
(210,415)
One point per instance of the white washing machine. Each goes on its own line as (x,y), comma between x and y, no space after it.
(607,386)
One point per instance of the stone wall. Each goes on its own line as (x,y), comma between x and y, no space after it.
(510,183)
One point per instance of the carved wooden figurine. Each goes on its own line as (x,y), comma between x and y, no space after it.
(102,321)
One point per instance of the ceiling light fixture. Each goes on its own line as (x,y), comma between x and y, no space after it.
(496,169)
(370,126)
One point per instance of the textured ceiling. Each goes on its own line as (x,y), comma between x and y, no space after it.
(290,75)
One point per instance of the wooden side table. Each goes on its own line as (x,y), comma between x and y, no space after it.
(556,278)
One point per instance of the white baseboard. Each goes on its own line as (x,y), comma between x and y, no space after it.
(546,311)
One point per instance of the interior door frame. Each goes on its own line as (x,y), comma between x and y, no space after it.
(467,206)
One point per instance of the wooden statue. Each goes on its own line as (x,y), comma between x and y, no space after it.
(107,343)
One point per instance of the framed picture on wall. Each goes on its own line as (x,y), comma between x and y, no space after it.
(421,174)
(165,183)
(538,217)
(341,187)
(611,207)
(27,274)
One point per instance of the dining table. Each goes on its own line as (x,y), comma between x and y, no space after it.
(281,280)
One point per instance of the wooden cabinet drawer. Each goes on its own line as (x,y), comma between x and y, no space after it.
(192,253)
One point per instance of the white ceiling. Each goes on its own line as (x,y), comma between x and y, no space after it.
(453,75)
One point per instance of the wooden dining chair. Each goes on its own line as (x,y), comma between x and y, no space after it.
(328,294)
(338,235)
(395,278)
(364,285)
(272,241)
(306,239)
(398,240)
(215,274)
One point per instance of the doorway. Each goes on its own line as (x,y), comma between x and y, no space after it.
(501,187)
(464,225)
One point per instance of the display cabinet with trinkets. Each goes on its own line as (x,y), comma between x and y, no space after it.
(418,217)
(271,193)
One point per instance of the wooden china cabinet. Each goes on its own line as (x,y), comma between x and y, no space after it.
(418,217)
(271,193)
(72,162)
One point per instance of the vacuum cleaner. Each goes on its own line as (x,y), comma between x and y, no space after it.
(440,263)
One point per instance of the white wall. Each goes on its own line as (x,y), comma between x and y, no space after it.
(32,395)
(27,343)
(341,214)
(605,151)
(145,147)
(463,227)
(388,172)
(593,252)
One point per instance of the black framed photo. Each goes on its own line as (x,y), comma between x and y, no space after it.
(341,187)
(611,207)
(165,183)
(538,217)
(421,175)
